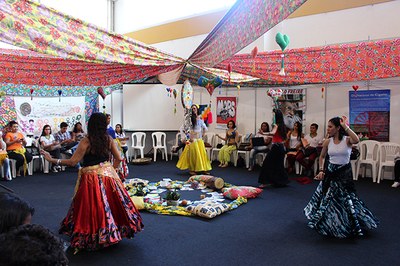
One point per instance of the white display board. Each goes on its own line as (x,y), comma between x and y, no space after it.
(147,107)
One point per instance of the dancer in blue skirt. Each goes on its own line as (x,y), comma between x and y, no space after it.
(335,209)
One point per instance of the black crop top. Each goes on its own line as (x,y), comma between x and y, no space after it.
(92,159)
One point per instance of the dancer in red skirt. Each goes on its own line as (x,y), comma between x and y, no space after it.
(101,212)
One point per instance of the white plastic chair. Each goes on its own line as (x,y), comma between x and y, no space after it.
(160,143)
(245,153)
(388,151)
(138,143)
(30,142)
(8,174)
(261,160)
(369,155)
(178,137)
(215,150)
(354,164)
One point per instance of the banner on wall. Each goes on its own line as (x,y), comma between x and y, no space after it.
(33,114)
(292,103)
(370,114)
(226,110)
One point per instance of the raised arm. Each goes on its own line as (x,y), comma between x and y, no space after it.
(353,138)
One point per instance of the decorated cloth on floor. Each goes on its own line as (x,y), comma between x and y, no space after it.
(204,208)
(146,195)
(241,191)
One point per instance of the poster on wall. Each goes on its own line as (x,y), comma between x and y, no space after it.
(226,111)
(293,106)
(33,114)
(370,114)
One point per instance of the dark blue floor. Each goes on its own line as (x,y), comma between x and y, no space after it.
(269,230)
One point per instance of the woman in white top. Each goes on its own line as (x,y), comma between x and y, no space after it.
(194,156)
(122,138)
(49,143)
(335,209)
(263,132)
(293,145)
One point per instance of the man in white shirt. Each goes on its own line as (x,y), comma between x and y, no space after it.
(307,156)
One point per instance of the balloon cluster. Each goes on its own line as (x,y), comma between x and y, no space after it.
(171,92)
(2,93)
(274,94)
(174,93)
(209,84)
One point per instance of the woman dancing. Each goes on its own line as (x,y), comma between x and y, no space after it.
(194,156)
(335,209)
(101,212)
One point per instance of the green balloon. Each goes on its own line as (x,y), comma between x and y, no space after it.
(282,40)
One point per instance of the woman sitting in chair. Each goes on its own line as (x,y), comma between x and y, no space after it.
(263,132)
(194,156)
(231,138)
(4,161)
(49,143)
(15,148)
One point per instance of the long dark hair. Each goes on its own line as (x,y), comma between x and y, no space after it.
(120,126)
(280,123)
(299,130)
(75,130)
(336,122)
(267,125)
(193,117)
(44,127)
(13,211)
(97,133)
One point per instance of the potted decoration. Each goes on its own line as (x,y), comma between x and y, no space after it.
(172,197)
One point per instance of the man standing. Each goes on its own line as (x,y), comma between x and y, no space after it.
(306,157)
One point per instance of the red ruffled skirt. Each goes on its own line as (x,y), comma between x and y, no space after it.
(101,212)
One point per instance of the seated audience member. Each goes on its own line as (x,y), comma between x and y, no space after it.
(77,132)
(123,170)
(110,129)
(120,134)
(31,244)
(293,145)
(49,143)
(65,139)
(4,161)
(14,211)
(263,132)
(307,156)
(231,138)
(15,148)
(5,130)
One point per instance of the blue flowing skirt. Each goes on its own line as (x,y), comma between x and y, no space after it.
(335,209)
